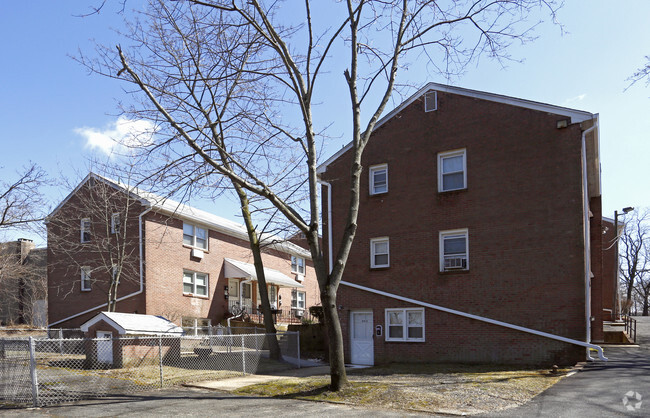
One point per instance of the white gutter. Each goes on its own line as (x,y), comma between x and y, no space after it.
(123,297)
(329,222)
(480,318)
(587,237)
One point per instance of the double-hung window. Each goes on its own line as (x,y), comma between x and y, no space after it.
(379,179)
(195,236)
(452,170)
(298,299)
(85,230)
(379,253)
(85,279)
(454,250)
(297,265)
(405,324)
(195,284)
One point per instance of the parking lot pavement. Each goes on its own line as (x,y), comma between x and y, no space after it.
(619,387)
(199,402)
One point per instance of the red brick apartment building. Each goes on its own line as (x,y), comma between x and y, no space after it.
(479,234)
(176,261)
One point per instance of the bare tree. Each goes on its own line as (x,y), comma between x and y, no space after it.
(242,102)
(635,257)
(21,200)
(94,237)
(23,283)
(643,73)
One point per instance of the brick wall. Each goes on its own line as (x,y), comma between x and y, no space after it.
(610,273)
(523,211)
(597,285)
(67,254)
(167,258)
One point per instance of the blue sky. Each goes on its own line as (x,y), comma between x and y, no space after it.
(52,109)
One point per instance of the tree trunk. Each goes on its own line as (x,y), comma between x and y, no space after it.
(645,305)
(274,347)
(338,376)
(629,289)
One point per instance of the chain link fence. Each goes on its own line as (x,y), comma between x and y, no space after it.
(40,372)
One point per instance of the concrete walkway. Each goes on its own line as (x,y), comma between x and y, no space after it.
(235,383)
(619,387)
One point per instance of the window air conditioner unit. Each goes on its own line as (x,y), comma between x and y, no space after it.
(455,263)
(300,278)
(300,313)
(196,253)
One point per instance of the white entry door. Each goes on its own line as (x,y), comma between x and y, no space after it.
(362,350)
(105,347)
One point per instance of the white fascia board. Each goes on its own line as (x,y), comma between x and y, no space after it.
(102,317)
(190,214)
(112,183)
(576,116)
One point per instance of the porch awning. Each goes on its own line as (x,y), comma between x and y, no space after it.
(238,269)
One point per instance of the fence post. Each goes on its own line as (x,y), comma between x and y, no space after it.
(32,371)
(160,360)
(243,356)
(298,336)
(60,340)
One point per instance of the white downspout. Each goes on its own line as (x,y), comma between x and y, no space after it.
(480,318)
(329,222)
(130,295)
(587,237)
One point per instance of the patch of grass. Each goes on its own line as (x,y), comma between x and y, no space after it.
(317,389)
(456,388)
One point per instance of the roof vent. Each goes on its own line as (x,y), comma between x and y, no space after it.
(430,101)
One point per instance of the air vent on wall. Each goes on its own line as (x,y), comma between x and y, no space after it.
(430,101)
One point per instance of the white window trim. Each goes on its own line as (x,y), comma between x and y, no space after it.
(405,327)
(373,169)
(297,269)
(193,292)
(374,241)
(431,95)
(295,300)
(115,223)
(194,228)
(83,229)
(86,278)
(453,232)
(447,154)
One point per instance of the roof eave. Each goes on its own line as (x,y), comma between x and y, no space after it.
(577,116)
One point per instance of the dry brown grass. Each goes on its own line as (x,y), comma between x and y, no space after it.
(466,389)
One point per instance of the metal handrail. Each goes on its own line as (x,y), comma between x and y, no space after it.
(630,328)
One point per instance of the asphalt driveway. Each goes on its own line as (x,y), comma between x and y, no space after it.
(184,402)
(620,387)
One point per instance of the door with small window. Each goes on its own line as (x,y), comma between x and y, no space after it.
(105,347)
(362,349)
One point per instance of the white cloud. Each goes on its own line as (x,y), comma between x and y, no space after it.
(575,99)
(118,136)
